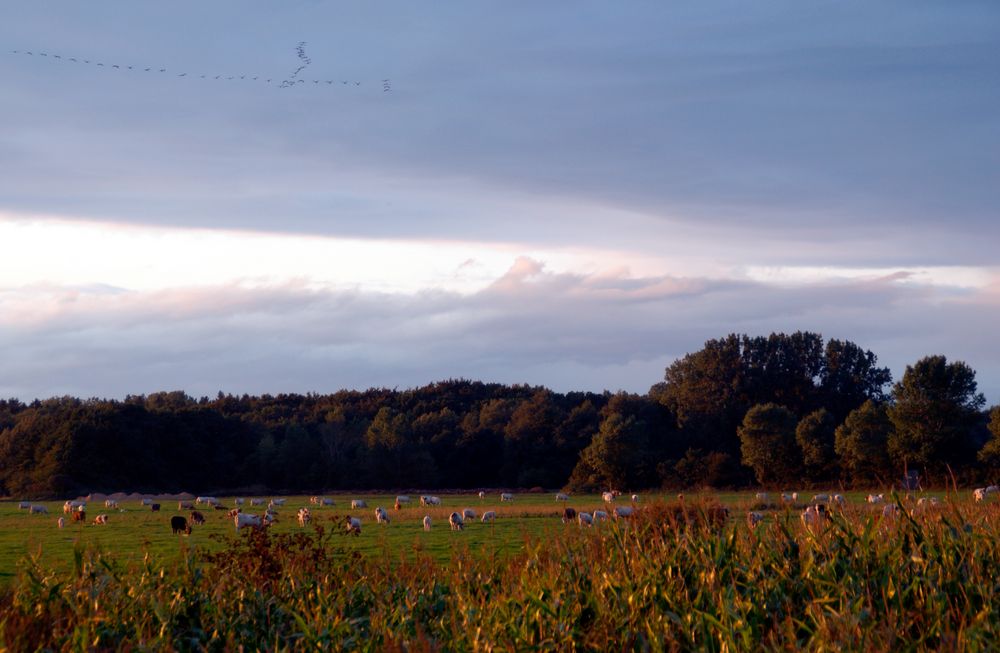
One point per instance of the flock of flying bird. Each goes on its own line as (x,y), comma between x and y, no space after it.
(292,80)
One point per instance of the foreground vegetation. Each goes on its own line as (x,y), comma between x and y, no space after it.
(674,578)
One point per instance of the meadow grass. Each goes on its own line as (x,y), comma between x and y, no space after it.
(670,579)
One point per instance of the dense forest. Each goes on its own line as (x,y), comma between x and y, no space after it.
(781,411)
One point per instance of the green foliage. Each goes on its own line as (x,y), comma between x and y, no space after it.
(815,437)
(935,407)
(862,442)
(668,580)
(990,453)
(767,444)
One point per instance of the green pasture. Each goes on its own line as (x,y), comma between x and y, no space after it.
(134,530)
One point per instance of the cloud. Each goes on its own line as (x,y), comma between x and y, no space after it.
(568,331)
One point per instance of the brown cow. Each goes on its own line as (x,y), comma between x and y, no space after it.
(80,516)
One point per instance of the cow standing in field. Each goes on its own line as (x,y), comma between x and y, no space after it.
(353,525)
(100,520)
(357,504)
(197,517)
(584,518)
(155,507)
(506,496)
(427,523)
(468,513)
(80,516)
(304,516)
(569,514)
(456,521)
(381,516)
(38,510)
(489,515)
(244,519)
(179,524)
(185,505)
(61,522)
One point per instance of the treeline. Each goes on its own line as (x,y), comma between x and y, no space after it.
(783,410)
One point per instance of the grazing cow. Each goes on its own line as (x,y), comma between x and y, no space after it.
(197,517)
(155,507)
(110,503)
(185,505)
(890,510)
(839,500)
(635,498)
(482,495)
(278,502)
(146,502)
(814,515)
(304,516)
(927,501)
(245,519)
(569,514)
(353,525)
(506,496)
(235,511)
(403,498)
(600,515)
(179,524)
(621,512)
(820,498)
(381,516)
(754,518)
(469,513)
(270,518)
(24,505)
(38,510)
(358,503)
(239,501)
(427,523)
(70,506)
(979,494)
(585,518)
(489,515)
(256,502)
(875,498)
(80,516)
(326,501)
(61,522)
(761,496)
(100,520)
(787,498)
(608,497)
(562,497)
(455,520)
(314,500)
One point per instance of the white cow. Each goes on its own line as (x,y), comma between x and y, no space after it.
(278,502)
(430,501)
(814,515)
(100,520)
(609,497)
(468,513)
(754,518)
(24,505)
(110,503)
(621,512)
(635,498)
(358,503)
(562,497)
(61,522)
(381,516)
(489,515)
(314,500)
(403,498)
(326,501)
(353,525)
(246,519)
(875,498)
(788,498)
(427,522)
(482,495)
(455,520)
(146,502)
(600,515)
(585,518)
(256,502)
(304,516)
(839,499)
(979,494)
(239,501)
(506,496)
(927,501)
(38,510)
(72,506)
(761,496)
(890,511)
(821,498)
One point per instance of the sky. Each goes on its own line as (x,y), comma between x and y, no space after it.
(569,194)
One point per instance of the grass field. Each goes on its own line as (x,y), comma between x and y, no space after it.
(670,579)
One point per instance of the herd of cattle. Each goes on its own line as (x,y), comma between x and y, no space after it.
(815,512)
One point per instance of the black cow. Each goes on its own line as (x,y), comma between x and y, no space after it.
(155,507)
(180,525)
(569,515)
(197,517)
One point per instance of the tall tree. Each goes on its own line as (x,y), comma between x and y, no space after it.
(935,407)
(861,442)
(815,437)
(767,443)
